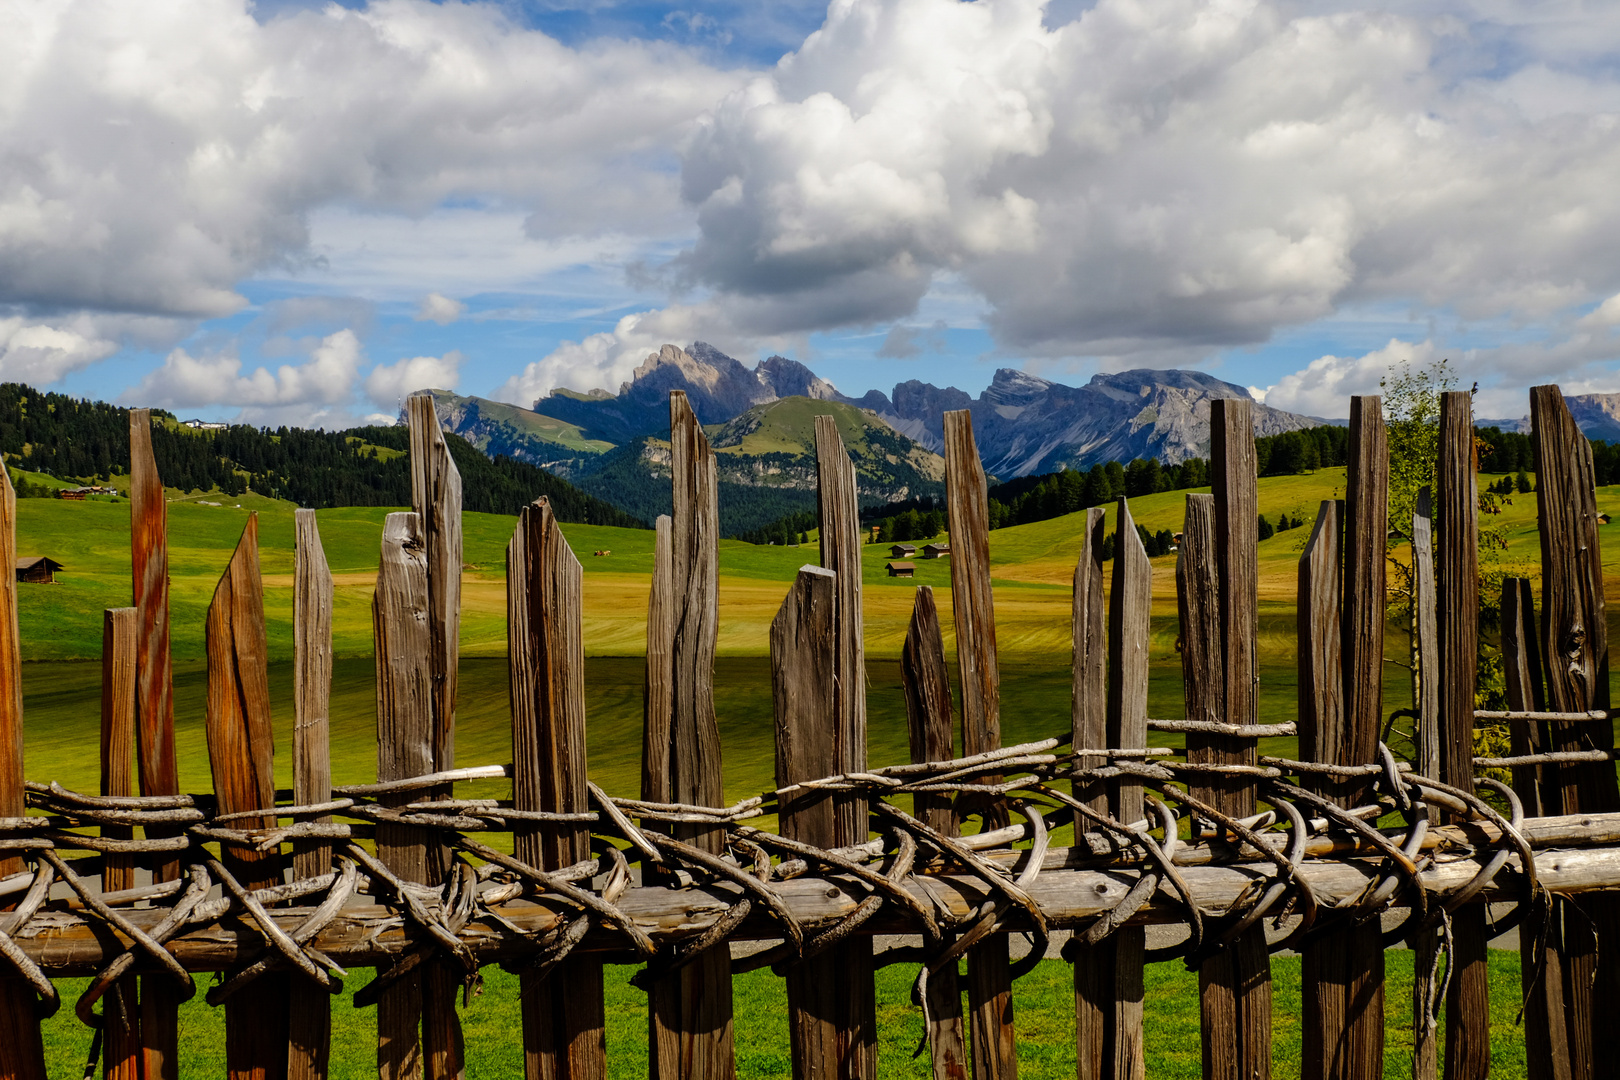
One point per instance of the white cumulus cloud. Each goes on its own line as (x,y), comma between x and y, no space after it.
(388,384)
(185,381)
(440,309)
(40,353)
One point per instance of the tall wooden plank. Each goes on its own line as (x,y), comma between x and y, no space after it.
(927,686)
(690,1011)
(436,498)
(154,709)
(1093,967)
(832,1021)
(1321,669)
(241,757)
(21,1053)
(659,693)
(310,1026)
(1235,984)
(563,1033)
(1343,971)
(121,1037)
(839,527)
(399,613)
(1425,942)
(1574,637)
(1541,964)
(972,608)
(1468,1051)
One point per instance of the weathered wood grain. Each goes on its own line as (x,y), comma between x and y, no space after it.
(1427,674)
(154,708)
(1321,669)
(690,1011)
(1343,971)
(832,1018)
(400,621)
(21,1052)
(1093,967)
(995,1055)
(1468,1052)
(659,691)
(563,1033)
(1574,638)
(927,685)
(121,1046)
(241,750)
(310,1024)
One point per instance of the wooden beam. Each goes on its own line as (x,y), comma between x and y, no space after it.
(1093,966)
(659,693)
(995,1054)
(690,1011)
(563,1033)
(927,685)
(154,709)
(1428,675)
(121,1046)
(310,1026)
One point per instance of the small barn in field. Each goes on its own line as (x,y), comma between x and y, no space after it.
(902,569)
(37,569)
(936,551)
(901,551)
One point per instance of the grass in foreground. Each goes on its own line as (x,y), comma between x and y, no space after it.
(1043,1004)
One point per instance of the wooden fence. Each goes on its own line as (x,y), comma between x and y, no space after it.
(283,891)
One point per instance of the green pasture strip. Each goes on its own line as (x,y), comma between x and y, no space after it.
(1043,1004)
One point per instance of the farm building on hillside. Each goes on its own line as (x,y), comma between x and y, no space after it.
(936,551)
(901,551)
(902,569)
(37,569)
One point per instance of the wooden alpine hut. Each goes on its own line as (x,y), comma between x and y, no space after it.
(37,569)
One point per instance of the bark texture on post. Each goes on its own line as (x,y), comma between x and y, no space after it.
(927,685)
(22,1054)
(1468,1050)
(1093,967)
(241,756)
(972,609)
(563,1033)
(121,1045)
(1425,943)
(690,1011)
(832,1020)
(659,692)
(154,709)
(400,617)
(1343,1036)
(1574,635)
(310,1027)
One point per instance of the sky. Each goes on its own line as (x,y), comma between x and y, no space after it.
(297,212)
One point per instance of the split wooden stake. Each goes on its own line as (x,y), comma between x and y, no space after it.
(121,1037)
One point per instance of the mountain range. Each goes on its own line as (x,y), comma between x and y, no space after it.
(1598,416)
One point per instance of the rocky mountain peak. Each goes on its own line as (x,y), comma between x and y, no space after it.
(1013,387)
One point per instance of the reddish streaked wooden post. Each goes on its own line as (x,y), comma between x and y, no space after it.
(22,1055)
(436,498)
(927,685)
(1468,1050)
(121,1040)
(1343,971)
(154,709)
(831,1020)
(972,609)
(241,749)
(310,1026)
(563,1035)
(1223,565)
(399,611)
(1093,967)
(690,1011)
(1574,635)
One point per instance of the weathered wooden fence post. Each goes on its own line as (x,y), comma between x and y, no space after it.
(1468,1051)
(121,1037)
(310,1026)
(1425,942)
(831,1022)
(1575,637)
(154,710)
(927,686)
(399,610)
(563,1033)
(1343,973)
(241,749)
(22,1055)
(1093,967)
(972,609)
(436,498)
(1235,984)
(690,1011)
